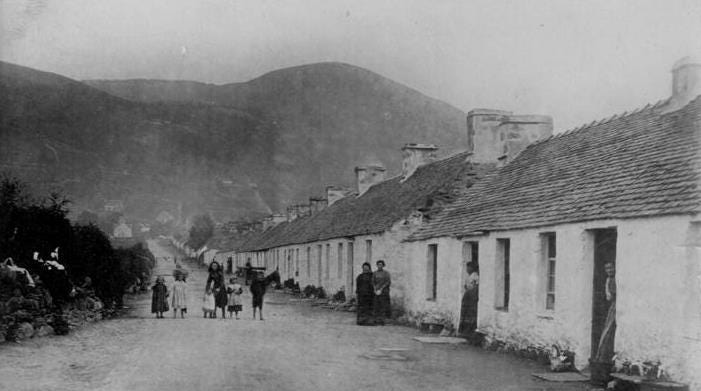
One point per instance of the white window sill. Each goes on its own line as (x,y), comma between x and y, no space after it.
(549,315)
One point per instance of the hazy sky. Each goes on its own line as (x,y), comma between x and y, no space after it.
(575,60)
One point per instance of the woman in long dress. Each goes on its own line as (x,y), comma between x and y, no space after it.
(217,285)
(179,295)
(469,300)
(366,295)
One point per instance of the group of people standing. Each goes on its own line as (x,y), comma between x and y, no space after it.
(372,290)
(217,295)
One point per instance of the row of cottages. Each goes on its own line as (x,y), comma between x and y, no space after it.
(625,190)
(180,242)
(326,248)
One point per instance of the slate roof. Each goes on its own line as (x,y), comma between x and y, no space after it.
(645,163)
(225,242)
(429,188)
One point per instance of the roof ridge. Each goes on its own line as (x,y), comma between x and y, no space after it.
(453,156)
(605,120)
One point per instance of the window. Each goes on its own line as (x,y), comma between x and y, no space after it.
(309,261)
(501,301)
(431,272)
(339,261)
(297,262)
(328,261)
(350,274)
(368,251)
(549,256)
(288,262)
(318,264)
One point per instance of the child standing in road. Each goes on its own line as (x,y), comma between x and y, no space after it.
(208,304)
(179,295)
(159,299)
(234,289)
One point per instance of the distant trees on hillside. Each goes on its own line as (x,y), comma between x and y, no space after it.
(201,231)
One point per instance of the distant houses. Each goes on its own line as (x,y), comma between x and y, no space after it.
(540,215)
(114,206)
(122,230)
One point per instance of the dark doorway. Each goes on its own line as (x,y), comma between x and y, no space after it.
(604,252)
(470,287)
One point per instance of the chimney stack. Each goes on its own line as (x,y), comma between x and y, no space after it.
(367,176)
(335,193)
(415,155)
(686,82)
(267,222)
(292,213)
(496,136)
(273,220)
(317,204)
(303,210)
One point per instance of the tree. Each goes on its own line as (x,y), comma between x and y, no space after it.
(201,231)
(87,217)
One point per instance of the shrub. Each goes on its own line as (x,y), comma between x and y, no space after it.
(309,291)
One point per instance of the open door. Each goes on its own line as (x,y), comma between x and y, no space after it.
(469,287)
(601,322)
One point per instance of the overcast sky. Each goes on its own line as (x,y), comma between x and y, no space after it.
(575,60)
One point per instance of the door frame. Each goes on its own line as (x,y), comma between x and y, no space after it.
(598,298)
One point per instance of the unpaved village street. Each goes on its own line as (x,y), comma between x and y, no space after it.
(297,347)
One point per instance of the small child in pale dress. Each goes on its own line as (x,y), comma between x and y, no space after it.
(208,304)
(234,305)
(179,295)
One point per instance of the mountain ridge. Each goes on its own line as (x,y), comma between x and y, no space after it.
(250,147)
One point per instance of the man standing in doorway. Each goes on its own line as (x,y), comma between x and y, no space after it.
(381,282)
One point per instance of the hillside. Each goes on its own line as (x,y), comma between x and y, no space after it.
(234,149)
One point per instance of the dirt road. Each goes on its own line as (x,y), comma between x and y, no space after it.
(297,347)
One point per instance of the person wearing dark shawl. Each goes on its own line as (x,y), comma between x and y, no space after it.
(364,291)
(381,282)
(469,299)
(159,299)
(216,283)
(258,284)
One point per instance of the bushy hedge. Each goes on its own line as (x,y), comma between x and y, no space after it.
(29,224)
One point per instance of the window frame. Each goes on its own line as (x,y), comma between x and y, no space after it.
(549,262)
(432,272)
(327,266)
(368,251)
(339,260)
(503,273)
